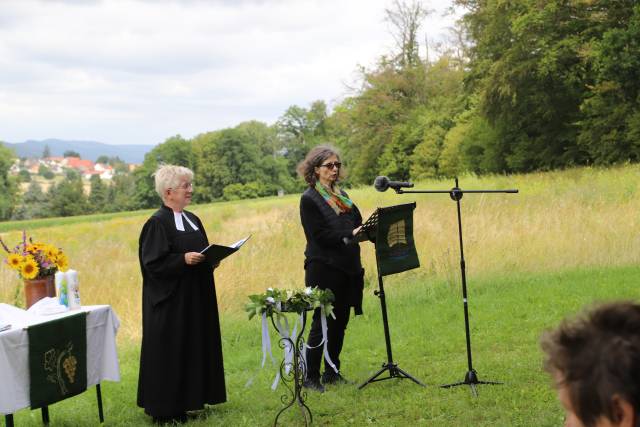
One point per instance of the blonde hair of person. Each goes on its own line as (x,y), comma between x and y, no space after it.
(170,176)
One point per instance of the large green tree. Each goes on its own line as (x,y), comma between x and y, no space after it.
(34,203)
(67,198)
(539,67)
(98,196)
(610,127)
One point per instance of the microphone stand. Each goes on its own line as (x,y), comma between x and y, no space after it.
(456,193)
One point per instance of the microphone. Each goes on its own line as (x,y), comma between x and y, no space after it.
(382,183)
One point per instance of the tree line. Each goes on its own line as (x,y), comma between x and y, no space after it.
(522,86)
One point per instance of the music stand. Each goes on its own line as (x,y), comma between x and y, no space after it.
(456,193)
(394,257)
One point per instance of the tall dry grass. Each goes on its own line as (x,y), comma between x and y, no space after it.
(571,219)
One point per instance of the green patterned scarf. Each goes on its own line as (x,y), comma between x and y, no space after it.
(339,203)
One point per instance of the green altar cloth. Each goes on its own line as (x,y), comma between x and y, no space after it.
(57,359)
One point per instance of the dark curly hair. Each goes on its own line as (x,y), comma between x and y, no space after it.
(597,356)
(316,157)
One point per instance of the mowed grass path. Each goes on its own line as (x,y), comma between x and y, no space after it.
(568,239)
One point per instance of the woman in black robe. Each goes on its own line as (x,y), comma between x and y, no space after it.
(329,219)
(181,365)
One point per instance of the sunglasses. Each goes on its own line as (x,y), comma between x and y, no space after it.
(332,165)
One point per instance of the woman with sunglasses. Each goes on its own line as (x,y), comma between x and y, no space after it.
(329,219)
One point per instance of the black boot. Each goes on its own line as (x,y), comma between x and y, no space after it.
(313,384)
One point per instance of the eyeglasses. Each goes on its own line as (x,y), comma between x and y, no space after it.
(185,186)
(332,165)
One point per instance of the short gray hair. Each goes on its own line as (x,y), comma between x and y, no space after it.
(169,176)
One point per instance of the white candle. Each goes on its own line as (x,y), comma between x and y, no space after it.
(73,289)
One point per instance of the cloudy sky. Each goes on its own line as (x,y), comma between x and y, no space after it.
(140,71)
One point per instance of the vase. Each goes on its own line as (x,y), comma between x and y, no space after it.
(36,289)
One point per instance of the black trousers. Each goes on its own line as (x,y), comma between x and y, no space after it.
(325,277)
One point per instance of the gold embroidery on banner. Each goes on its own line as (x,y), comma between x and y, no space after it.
(57,361)
(396,234)
(69,366)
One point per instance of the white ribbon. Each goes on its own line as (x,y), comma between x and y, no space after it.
(283,331)
(325,341)
(289,343)
(323,323)
(266,340)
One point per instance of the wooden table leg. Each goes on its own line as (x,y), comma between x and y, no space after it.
(45,415)
(99,395)
(8,420)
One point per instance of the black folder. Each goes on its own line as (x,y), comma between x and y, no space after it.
(216,253)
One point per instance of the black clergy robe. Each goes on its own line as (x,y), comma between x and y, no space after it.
(181,365)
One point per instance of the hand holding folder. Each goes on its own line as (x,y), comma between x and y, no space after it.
(216,253)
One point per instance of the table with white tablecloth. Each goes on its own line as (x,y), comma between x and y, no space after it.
(102,356)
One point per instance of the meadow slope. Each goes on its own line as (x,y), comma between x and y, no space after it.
(567,239)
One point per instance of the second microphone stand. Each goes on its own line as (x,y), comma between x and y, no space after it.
(456,193)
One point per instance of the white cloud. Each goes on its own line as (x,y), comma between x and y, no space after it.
(127,71)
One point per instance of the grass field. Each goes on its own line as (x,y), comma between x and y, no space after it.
(568,239)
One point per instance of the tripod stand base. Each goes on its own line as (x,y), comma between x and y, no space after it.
(471,379)
(394,372)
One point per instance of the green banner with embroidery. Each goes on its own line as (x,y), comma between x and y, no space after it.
(395,247)
(57,359)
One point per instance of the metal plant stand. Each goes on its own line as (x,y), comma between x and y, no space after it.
(292,374)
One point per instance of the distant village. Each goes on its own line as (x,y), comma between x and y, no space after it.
(53,168)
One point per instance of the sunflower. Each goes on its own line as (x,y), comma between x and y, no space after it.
(51,252)
(14,260)
(34,247)
(62,262)
(29,268)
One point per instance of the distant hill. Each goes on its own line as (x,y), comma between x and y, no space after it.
(89,150)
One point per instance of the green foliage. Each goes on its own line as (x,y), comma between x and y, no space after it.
(99,195)
(527,86)
(397,124)
(45,172)
(8,187)
(72,174)
(240,162)
(369,119)
(557,80)
(481,146)
(225,157)
(276,301)
(67,198)
(609,129)
(250,190)
(24,176)
(34,204)
(122,194)
(71,153)
(299,129)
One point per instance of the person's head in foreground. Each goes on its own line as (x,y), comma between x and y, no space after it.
(595,362)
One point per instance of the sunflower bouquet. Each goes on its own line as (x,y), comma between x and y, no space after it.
(35,260)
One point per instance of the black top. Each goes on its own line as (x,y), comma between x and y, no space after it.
(181,356)
(325,230)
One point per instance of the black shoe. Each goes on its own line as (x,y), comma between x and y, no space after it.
(313,384)
(333,378)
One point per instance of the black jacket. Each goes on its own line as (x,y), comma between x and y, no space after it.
(325,231)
